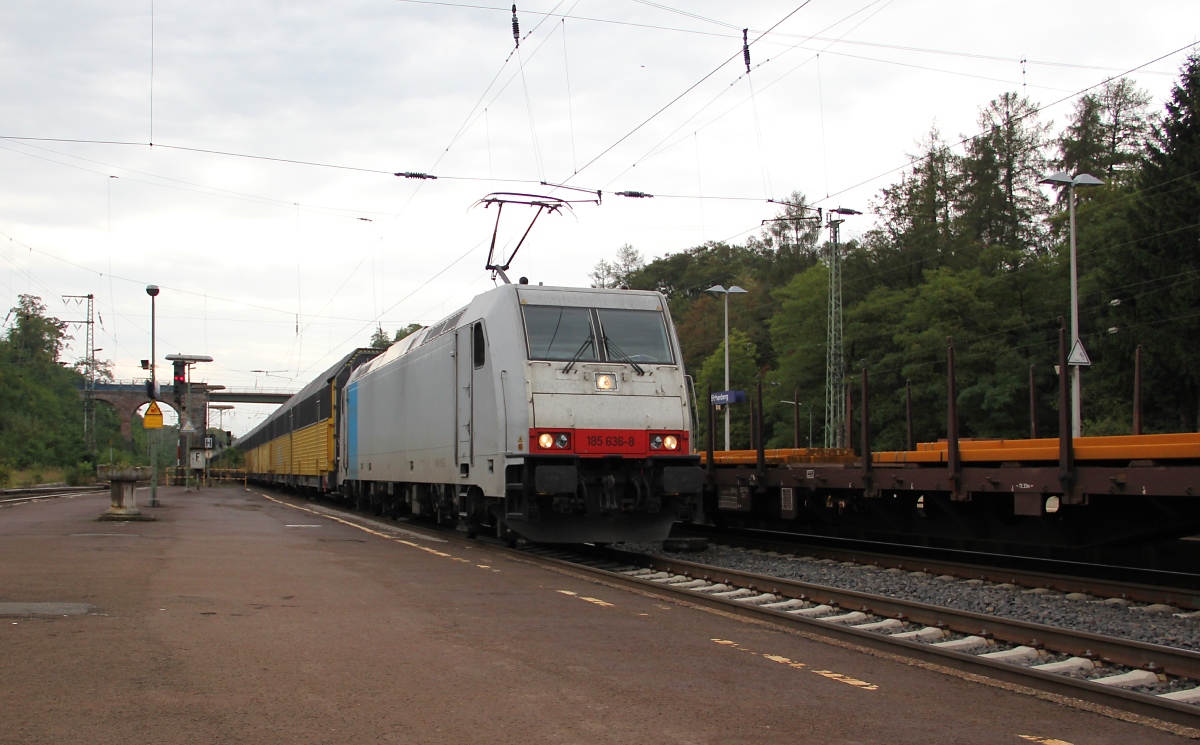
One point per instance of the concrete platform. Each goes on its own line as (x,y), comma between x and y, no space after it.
(235,619)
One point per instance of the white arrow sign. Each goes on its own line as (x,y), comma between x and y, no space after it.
(1079,356)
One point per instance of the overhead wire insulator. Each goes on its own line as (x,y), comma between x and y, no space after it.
(414,174)
(634,194)
(745,47)
(516,27)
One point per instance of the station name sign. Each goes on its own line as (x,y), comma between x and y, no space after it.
(723,398)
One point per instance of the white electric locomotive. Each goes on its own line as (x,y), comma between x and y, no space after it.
(562,415)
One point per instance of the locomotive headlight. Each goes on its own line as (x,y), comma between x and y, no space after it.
(562,441)
(656,442)
(606,382)
(545,441)
(671,442)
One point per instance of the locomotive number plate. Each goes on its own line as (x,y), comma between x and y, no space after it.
(610,442)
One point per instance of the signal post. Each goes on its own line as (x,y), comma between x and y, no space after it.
(182,390)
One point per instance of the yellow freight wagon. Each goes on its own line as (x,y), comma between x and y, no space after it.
(297,445)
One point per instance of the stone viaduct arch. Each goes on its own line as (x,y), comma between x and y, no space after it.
(126,404)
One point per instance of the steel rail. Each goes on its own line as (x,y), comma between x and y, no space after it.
(1143,593)
(38,493)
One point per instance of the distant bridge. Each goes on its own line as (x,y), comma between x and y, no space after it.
(129,396)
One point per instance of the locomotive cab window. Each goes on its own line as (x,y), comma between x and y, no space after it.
(597,334)
(556,333)
(634,336)
(478,351)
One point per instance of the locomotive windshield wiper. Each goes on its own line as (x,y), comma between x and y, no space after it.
(578,353)
(612,350)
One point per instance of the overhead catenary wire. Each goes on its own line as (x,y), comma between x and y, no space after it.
(1034,110)
(354,213)
(570,105)
(821,108)
(677,196)
(533,181)
(658,147)
(785,35)
(467,123)
(764,169)
(151,140)
(680,96)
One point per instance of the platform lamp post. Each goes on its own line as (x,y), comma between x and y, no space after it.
(1083,179)
(152,291)
(719,290)
(798,404)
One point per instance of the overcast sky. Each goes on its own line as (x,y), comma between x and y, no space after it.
(284,267)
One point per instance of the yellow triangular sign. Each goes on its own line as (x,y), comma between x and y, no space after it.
(153,417)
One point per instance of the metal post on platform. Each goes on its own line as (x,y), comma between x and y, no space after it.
(1066,445)
(1033,420)
(865,431)
(759,437)
(1137,390)
(187,451)
(953,459)
(909,442)
(796,420)
(710,445)
(848,431)
(152,291)
(1063,180)
(753,425)
(719,290)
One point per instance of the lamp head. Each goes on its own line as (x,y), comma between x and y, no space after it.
(716,289)
(735,289)
(1058,178)
(1086,179)
(152,290)
(189,358)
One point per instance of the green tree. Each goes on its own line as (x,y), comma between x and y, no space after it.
(1083,143)
(379,339)
(1106,136)
(1154,272)
(34,336)
(798,331)
(1002,204)
(917,216)
(405,331)
(41,411)
(612,274)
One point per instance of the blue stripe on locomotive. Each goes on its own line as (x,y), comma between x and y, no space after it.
(352,430)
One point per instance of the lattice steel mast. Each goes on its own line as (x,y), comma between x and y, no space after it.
(89,381)
(835,363)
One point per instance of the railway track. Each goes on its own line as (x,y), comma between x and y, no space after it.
(1145,679)
(34,494)
(1148,680)
(1149,586)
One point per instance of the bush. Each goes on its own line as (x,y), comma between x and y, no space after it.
(5,475)
(80,475)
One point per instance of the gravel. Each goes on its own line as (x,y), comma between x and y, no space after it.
(1153,624)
